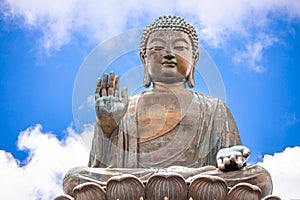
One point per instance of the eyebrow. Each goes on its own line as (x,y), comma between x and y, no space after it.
(156,39)
(181,39)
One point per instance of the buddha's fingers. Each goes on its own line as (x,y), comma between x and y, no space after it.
(226,161)
(112,79)
(233,158)
(116,87)
(110,88)
(240,162)
(104,85)
(246,152)
(221,165)
(124,95)
(242,149)
(97,90)
(97,96)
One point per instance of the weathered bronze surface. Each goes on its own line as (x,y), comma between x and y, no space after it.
(166,130)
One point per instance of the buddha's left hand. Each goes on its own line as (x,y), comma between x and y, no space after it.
(232,158)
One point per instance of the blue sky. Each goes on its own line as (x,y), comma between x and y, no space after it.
(254,44)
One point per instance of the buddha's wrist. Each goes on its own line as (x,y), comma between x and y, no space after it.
(107,126)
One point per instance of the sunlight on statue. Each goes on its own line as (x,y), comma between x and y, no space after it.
(167,129)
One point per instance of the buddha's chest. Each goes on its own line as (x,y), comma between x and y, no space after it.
(160,113)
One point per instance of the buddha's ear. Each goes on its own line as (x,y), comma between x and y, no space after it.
(196,58)
(147,79)
(142,57)
(190,78)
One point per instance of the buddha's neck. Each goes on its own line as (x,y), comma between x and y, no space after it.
(179,86)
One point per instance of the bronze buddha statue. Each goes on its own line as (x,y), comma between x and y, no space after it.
(168,129)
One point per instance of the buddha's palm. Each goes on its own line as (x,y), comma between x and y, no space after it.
(110,108)
(232,158)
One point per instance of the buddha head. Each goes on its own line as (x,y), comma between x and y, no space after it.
(169,51)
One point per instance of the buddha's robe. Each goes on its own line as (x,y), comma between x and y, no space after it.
(205,127)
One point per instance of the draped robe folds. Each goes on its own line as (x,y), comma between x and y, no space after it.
(187,144)
(188,149)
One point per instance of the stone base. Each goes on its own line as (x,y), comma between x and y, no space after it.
(166,186)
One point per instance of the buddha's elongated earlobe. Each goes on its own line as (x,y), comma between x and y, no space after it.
(190,78)
(147,79)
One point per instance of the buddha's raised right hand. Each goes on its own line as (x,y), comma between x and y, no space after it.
(110,108)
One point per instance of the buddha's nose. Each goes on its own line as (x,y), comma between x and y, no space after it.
(169,54)
(168,48)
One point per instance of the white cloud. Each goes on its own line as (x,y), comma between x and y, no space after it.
(216,22)
(291,119)
(285,171)
(59,20)
(48,160)
(253,53)
(88,103)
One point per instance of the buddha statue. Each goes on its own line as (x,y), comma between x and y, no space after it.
(167,129)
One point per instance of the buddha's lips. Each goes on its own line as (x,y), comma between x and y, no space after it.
(169,64)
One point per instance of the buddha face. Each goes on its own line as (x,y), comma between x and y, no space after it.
(169,56)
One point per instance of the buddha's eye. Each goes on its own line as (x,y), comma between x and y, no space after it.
(181,48)
(157,48)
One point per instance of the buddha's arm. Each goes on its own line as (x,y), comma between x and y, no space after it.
(103,147)
(232,155)
(230,133)
(110,109)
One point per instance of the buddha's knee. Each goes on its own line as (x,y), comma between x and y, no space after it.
(253,174)
(73,178)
